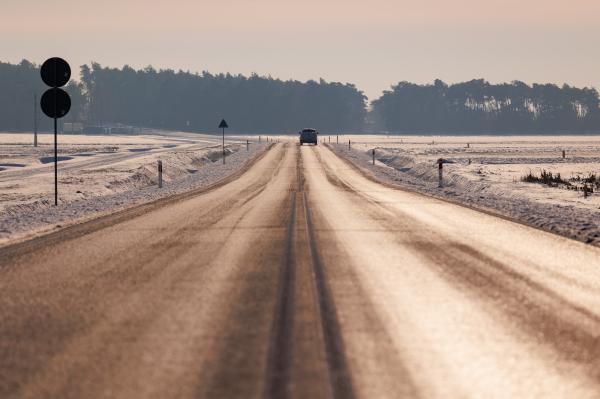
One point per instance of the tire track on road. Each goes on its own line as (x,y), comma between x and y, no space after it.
(301,249)
(279,360)
(358,310)
(340,379)
(569,330)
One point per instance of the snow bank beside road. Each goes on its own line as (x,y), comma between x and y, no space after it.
(23,221)
(532,204)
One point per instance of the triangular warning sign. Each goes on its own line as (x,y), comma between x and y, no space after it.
(223,124)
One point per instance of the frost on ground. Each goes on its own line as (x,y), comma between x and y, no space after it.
(103,174)
(485,172)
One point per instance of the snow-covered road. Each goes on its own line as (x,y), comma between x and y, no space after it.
(300,278)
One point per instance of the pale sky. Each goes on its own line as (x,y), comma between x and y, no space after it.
(371,43)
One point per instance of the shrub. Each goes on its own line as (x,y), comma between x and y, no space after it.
(548,178)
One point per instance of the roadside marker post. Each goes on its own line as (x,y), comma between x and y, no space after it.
(247,145)
(348,144)
(55,102)
(223,125)
(160,170)
(440,177)
(373,156)
(337,138)
(563,154)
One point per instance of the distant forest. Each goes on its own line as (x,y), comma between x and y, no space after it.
(18,85)
(256,104)
(186,101)
(480,107)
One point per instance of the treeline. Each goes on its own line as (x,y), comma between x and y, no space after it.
(480,107)
(186,101)
(18,86)
(196,102)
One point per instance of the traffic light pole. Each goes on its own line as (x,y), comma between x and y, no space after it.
(55,144)
(55,165)
(55,102)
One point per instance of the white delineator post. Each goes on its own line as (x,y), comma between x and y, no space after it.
(160,183)
(440,176)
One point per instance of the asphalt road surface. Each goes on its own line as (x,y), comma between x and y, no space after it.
(300,278)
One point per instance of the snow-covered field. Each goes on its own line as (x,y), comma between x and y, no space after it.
(101,174)
(486,172)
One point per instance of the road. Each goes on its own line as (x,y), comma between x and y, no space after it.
(300,278)
(97,160)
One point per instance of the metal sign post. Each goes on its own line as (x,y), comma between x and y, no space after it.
(55,160)
(35,127)
(223,125)
(55,102)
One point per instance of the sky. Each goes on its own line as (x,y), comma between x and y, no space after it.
(370,43)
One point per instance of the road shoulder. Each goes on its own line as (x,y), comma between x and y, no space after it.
(572,223)
(72,218)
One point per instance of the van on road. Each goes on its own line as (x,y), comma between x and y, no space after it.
(308,136)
